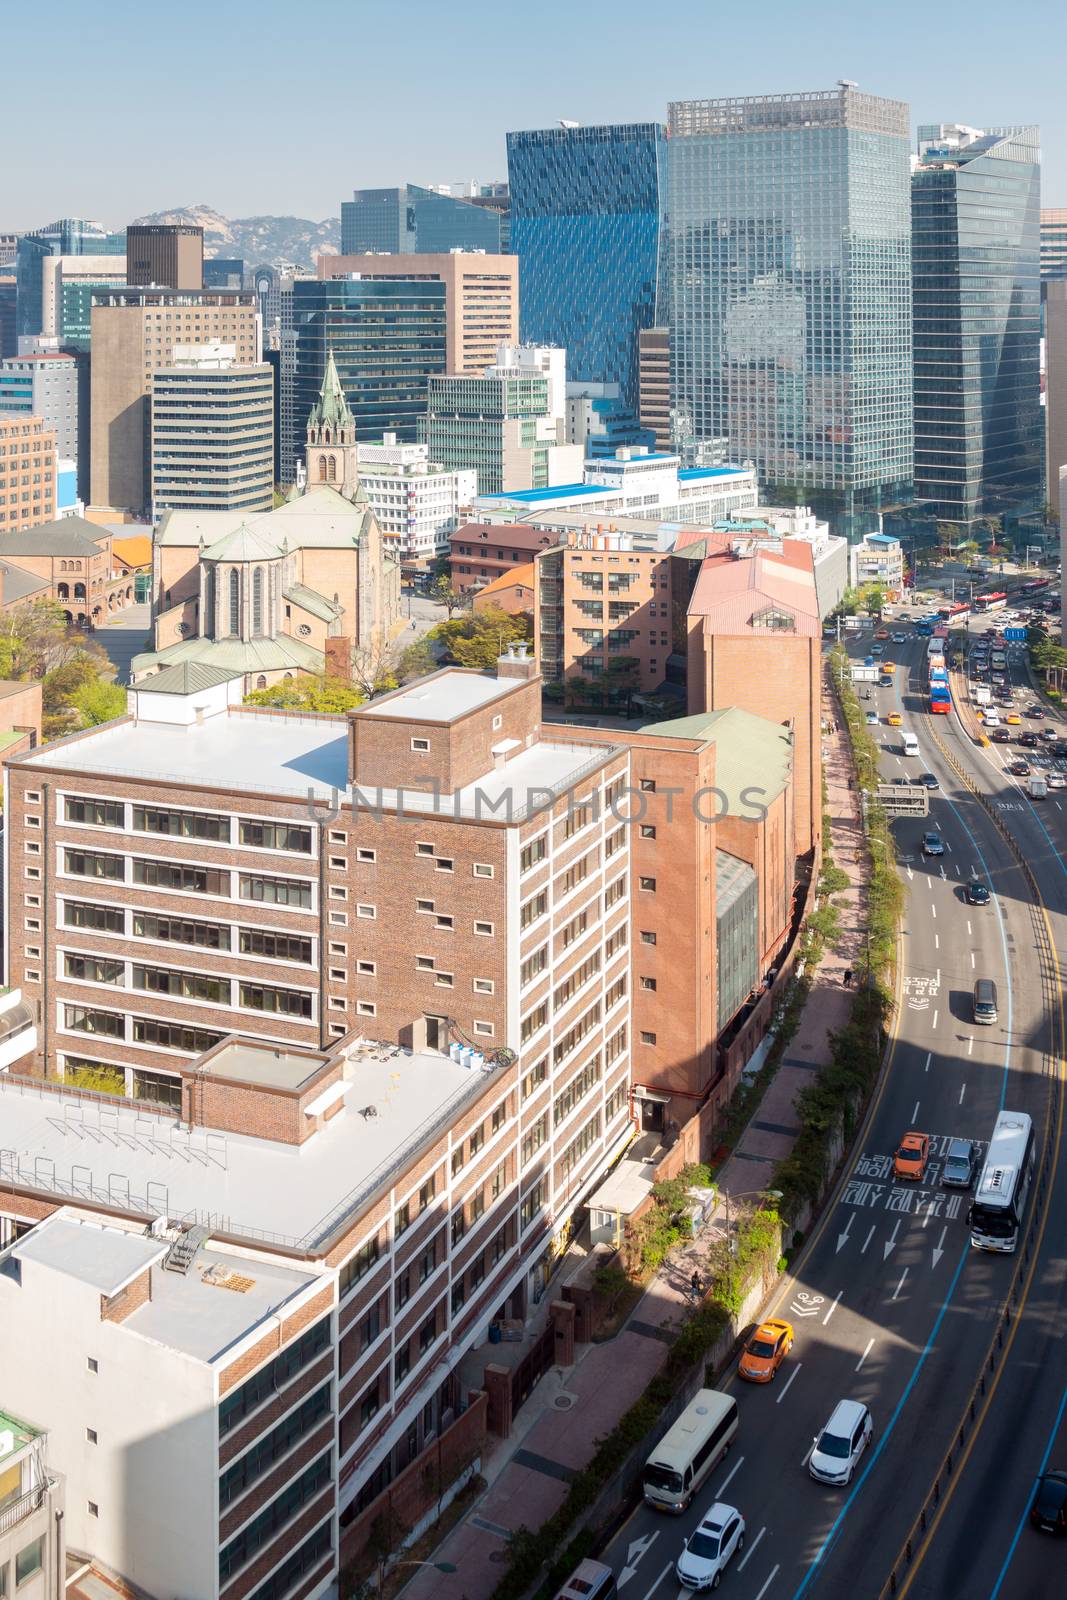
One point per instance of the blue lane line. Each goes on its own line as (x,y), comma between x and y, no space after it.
(1022,1520)
(831,1538)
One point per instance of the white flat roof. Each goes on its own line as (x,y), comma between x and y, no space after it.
(105,1258)
(203,1318)
(443,698)
(292,1194)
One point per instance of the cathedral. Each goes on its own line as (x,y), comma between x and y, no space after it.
(261,595)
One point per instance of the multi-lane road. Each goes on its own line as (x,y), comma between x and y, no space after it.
(890,1303)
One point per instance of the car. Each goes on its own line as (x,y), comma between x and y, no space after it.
(912,1156)
(709,1549)
(877,650)
(1028,740)
(882,633)
(928,780)
(961,1164)
(1019,769)
(1059,749)
(977,893)
(1056,780)
(765,1351)
(1048,735)
(885,681)
(1000,735)
(894,719)
(1035,711)
(837,1450)
(1013,719)
(933,844)
(1049,1508)
(900,638)
(872,719)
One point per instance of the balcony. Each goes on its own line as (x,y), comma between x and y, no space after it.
(18,1030)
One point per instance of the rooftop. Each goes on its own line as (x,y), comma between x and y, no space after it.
(245,1061)
(107,1259)
(24,1433)
(563,491)
(70,536)
(295,1195)
(443,697)
(696,474)
(753,756)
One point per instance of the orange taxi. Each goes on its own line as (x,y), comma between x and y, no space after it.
(910,1160)
(895,720)
(888,666)
(765,1351)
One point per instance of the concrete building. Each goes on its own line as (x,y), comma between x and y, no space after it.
(27,473)
(654,384)
(70,237)
(8,314)
(879,558)
(67,286)
(44,386)
(501,425)
(165,255)
(1053,243)
(32,1533)
(224,272)
(418,503)
(212,432)
(1055,293)
(135,331)
(412,220)
(637,482)
(481,296)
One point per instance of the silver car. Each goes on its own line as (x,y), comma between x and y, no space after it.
(961,1164)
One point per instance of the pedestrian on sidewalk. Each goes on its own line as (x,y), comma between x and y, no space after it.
(696,1284)
(847,978)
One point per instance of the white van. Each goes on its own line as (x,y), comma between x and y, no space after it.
(909,744)
(689,1450)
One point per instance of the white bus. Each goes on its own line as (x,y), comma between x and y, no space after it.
(1000,1199)
(689,1450)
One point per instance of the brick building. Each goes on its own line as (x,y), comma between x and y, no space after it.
(28,468)
(72,562)
(20,716)
(483,551)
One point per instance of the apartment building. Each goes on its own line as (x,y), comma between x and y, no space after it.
(32,1538)
(212,432)
(230,945)
(27,473)
(481,297)
(604,612)
(481,552)
(419,503)
(134,333)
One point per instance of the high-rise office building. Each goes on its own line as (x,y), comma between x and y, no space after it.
(224,272)
(481,297)
(977,313)
(790,290)
(1056,390)
(387,334)
(135,331)
(70,237)
(501,425)
(585,224)
(67,287)
(168,255)
(44,385)
(654,384)
(1053,243)
(8,310)
(414,221)
(212,432)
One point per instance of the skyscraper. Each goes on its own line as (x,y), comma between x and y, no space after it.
(585,224)
(977,316)
(212,445)
(415,221)
(169,255)
(790,290)
(1054,244)
(71,236)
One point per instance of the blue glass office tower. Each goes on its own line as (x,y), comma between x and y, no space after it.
(71,236)
(790,292)
(415,221)
(387,336)
(976,251)
(585,225)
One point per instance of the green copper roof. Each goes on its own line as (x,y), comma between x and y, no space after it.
(331,409)
(753,756)
(235,655)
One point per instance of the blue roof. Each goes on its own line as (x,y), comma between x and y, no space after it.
(882,538)
(565,491)
(694,474)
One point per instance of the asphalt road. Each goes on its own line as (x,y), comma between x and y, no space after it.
(890,1304)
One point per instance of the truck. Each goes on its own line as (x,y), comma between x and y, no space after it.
(865,672)
(982,694)
(1037,786)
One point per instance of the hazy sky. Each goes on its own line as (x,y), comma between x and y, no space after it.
(286,108)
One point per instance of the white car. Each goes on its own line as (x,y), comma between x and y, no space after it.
(837,1450)
(708,1551)
(900,638)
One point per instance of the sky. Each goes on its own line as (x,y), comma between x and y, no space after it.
(284,109)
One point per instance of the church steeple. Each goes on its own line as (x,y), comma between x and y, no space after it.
(331,438)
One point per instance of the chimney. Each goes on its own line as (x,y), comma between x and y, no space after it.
(516,662)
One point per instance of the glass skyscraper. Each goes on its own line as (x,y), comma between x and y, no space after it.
(71,236)
(790,292)
(976,250)
(415,221)
(585,225)
(387,336)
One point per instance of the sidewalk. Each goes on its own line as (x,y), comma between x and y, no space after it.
(555,1433)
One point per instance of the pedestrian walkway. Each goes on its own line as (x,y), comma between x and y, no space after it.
(555,1433)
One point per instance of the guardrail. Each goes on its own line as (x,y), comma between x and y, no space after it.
(1026,1253)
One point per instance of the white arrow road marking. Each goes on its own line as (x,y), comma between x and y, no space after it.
(785,1388)
(929,1058)
(843,1236)
(866,1242)
(659,1580)
(640,1547)
(866,1353)
(833,1308)
(900,1285)
(751,1549)
(774,1573)
(939,1247)
(737,1464)
(890,1244)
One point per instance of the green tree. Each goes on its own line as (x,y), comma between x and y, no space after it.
(477,639)
(309,692)
(98,701)
(416,661)
(442,591)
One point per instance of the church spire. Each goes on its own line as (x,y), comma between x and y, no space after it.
(331,420)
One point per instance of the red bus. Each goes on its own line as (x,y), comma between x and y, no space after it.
(1036,586)
(949,613)
(991,602)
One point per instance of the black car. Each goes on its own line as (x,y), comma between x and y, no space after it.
(928,780)
(1049,1510)
(1019,769)
(1000,735)
(1028,741)
(977,893)
(1034,711)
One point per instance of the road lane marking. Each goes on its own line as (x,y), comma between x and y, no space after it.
(766,1586)
(736,1467)
(866,1353)
(807,1453)
(866,1242)
(900,1285)
(929,1058)
(934,1023)
(833,1308)
(970,935)
(785,1389)
(970,1044)
(650,1592)
(972,960)
(933,911)
(963,1091)
(915,1113)
(937,941)
(751,1549)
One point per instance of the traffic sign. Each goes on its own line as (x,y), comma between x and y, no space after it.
(1015,635)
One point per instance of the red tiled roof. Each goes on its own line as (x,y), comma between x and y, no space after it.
(519,535)
(731,591)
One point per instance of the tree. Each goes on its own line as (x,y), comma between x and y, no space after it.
(99,701)
(416,661)
(442,591)
(480,637)
(309,692)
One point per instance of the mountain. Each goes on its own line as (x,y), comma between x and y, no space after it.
(257,240)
